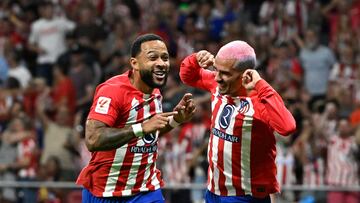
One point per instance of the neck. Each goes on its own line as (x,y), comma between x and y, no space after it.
(136,81)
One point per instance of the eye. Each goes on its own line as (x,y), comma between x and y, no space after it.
(165,57)
(152,57)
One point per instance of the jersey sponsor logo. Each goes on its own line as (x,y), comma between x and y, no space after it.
(149,138)
(225,116)
(224,136)
(103,105)
(150,145)
(144,149)
(244,106)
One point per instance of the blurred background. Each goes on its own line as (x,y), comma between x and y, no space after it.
(54,53)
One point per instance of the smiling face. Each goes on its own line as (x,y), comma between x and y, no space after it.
(227,77)
(153,63)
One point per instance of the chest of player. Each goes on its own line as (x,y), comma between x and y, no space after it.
(142,107)
(234,117)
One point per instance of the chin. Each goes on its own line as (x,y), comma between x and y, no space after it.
(157,84)
(223,92)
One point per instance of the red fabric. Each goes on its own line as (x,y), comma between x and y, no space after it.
(26,149)
(247,137)
(64,91)
(123,171)
(355,118)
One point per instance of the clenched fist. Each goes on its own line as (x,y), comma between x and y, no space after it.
(249,78)
(205,58)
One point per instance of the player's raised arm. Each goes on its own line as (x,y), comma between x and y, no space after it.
(275,112)
(192,70)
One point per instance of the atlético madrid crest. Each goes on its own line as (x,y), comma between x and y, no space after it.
(244,106)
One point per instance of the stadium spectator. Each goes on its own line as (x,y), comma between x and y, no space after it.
(47,39)
(80,75)
(343,168)
(22,135)
(246,111)
(17,69)
(123,126)
(57,136)
(316,61)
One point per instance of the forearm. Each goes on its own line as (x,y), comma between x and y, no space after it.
(193,75)
(278,117)
(189,70)
(173,123)
(165,130)
(101,138)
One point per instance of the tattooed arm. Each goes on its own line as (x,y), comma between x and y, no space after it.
(100,137)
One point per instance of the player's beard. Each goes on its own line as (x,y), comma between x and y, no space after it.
(147,77)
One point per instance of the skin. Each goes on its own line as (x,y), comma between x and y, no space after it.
(230,81)
(153,58)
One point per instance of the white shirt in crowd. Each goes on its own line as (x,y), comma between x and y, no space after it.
(22,74)
(49,35)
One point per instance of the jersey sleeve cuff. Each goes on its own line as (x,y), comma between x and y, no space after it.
(107,121)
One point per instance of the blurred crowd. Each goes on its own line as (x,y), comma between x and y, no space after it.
(54,53)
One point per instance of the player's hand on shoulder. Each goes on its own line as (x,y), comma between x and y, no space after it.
(186,109)
(204,58)
(249,78)
(157,122)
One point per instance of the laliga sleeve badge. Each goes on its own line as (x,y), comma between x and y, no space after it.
(102,105)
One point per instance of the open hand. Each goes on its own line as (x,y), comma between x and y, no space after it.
(185,108)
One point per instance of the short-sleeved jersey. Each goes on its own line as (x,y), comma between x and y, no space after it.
(131,168)
(241,150)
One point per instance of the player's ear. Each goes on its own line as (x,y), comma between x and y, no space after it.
(134,63)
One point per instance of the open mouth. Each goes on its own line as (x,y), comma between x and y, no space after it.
(159,74)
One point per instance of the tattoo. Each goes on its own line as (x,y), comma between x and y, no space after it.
(100,137)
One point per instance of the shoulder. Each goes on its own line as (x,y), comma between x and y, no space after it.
(115,88)
(116,82)
(38,23)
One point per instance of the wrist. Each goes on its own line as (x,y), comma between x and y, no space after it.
(138,130)
(173,123)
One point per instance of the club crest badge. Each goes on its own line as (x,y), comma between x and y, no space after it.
(244,106)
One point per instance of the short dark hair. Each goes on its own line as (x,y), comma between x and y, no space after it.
(136,45)
(246,63)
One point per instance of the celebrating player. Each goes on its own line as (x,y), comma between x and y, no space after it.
(246,113)
(123,126)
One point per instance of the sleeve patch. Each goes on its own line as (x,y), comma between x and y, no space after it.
(102,105)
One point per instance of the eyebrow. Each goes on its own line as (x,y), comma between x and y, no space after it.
(153,51)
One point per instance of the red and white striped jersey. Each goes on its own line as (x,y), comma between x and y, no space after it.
(131,168)
(285,166)
(342,168)
(241,150)
(314,172)
(27,149)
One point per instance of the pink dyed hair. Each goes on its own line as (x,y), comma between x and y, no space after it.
(238,50)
